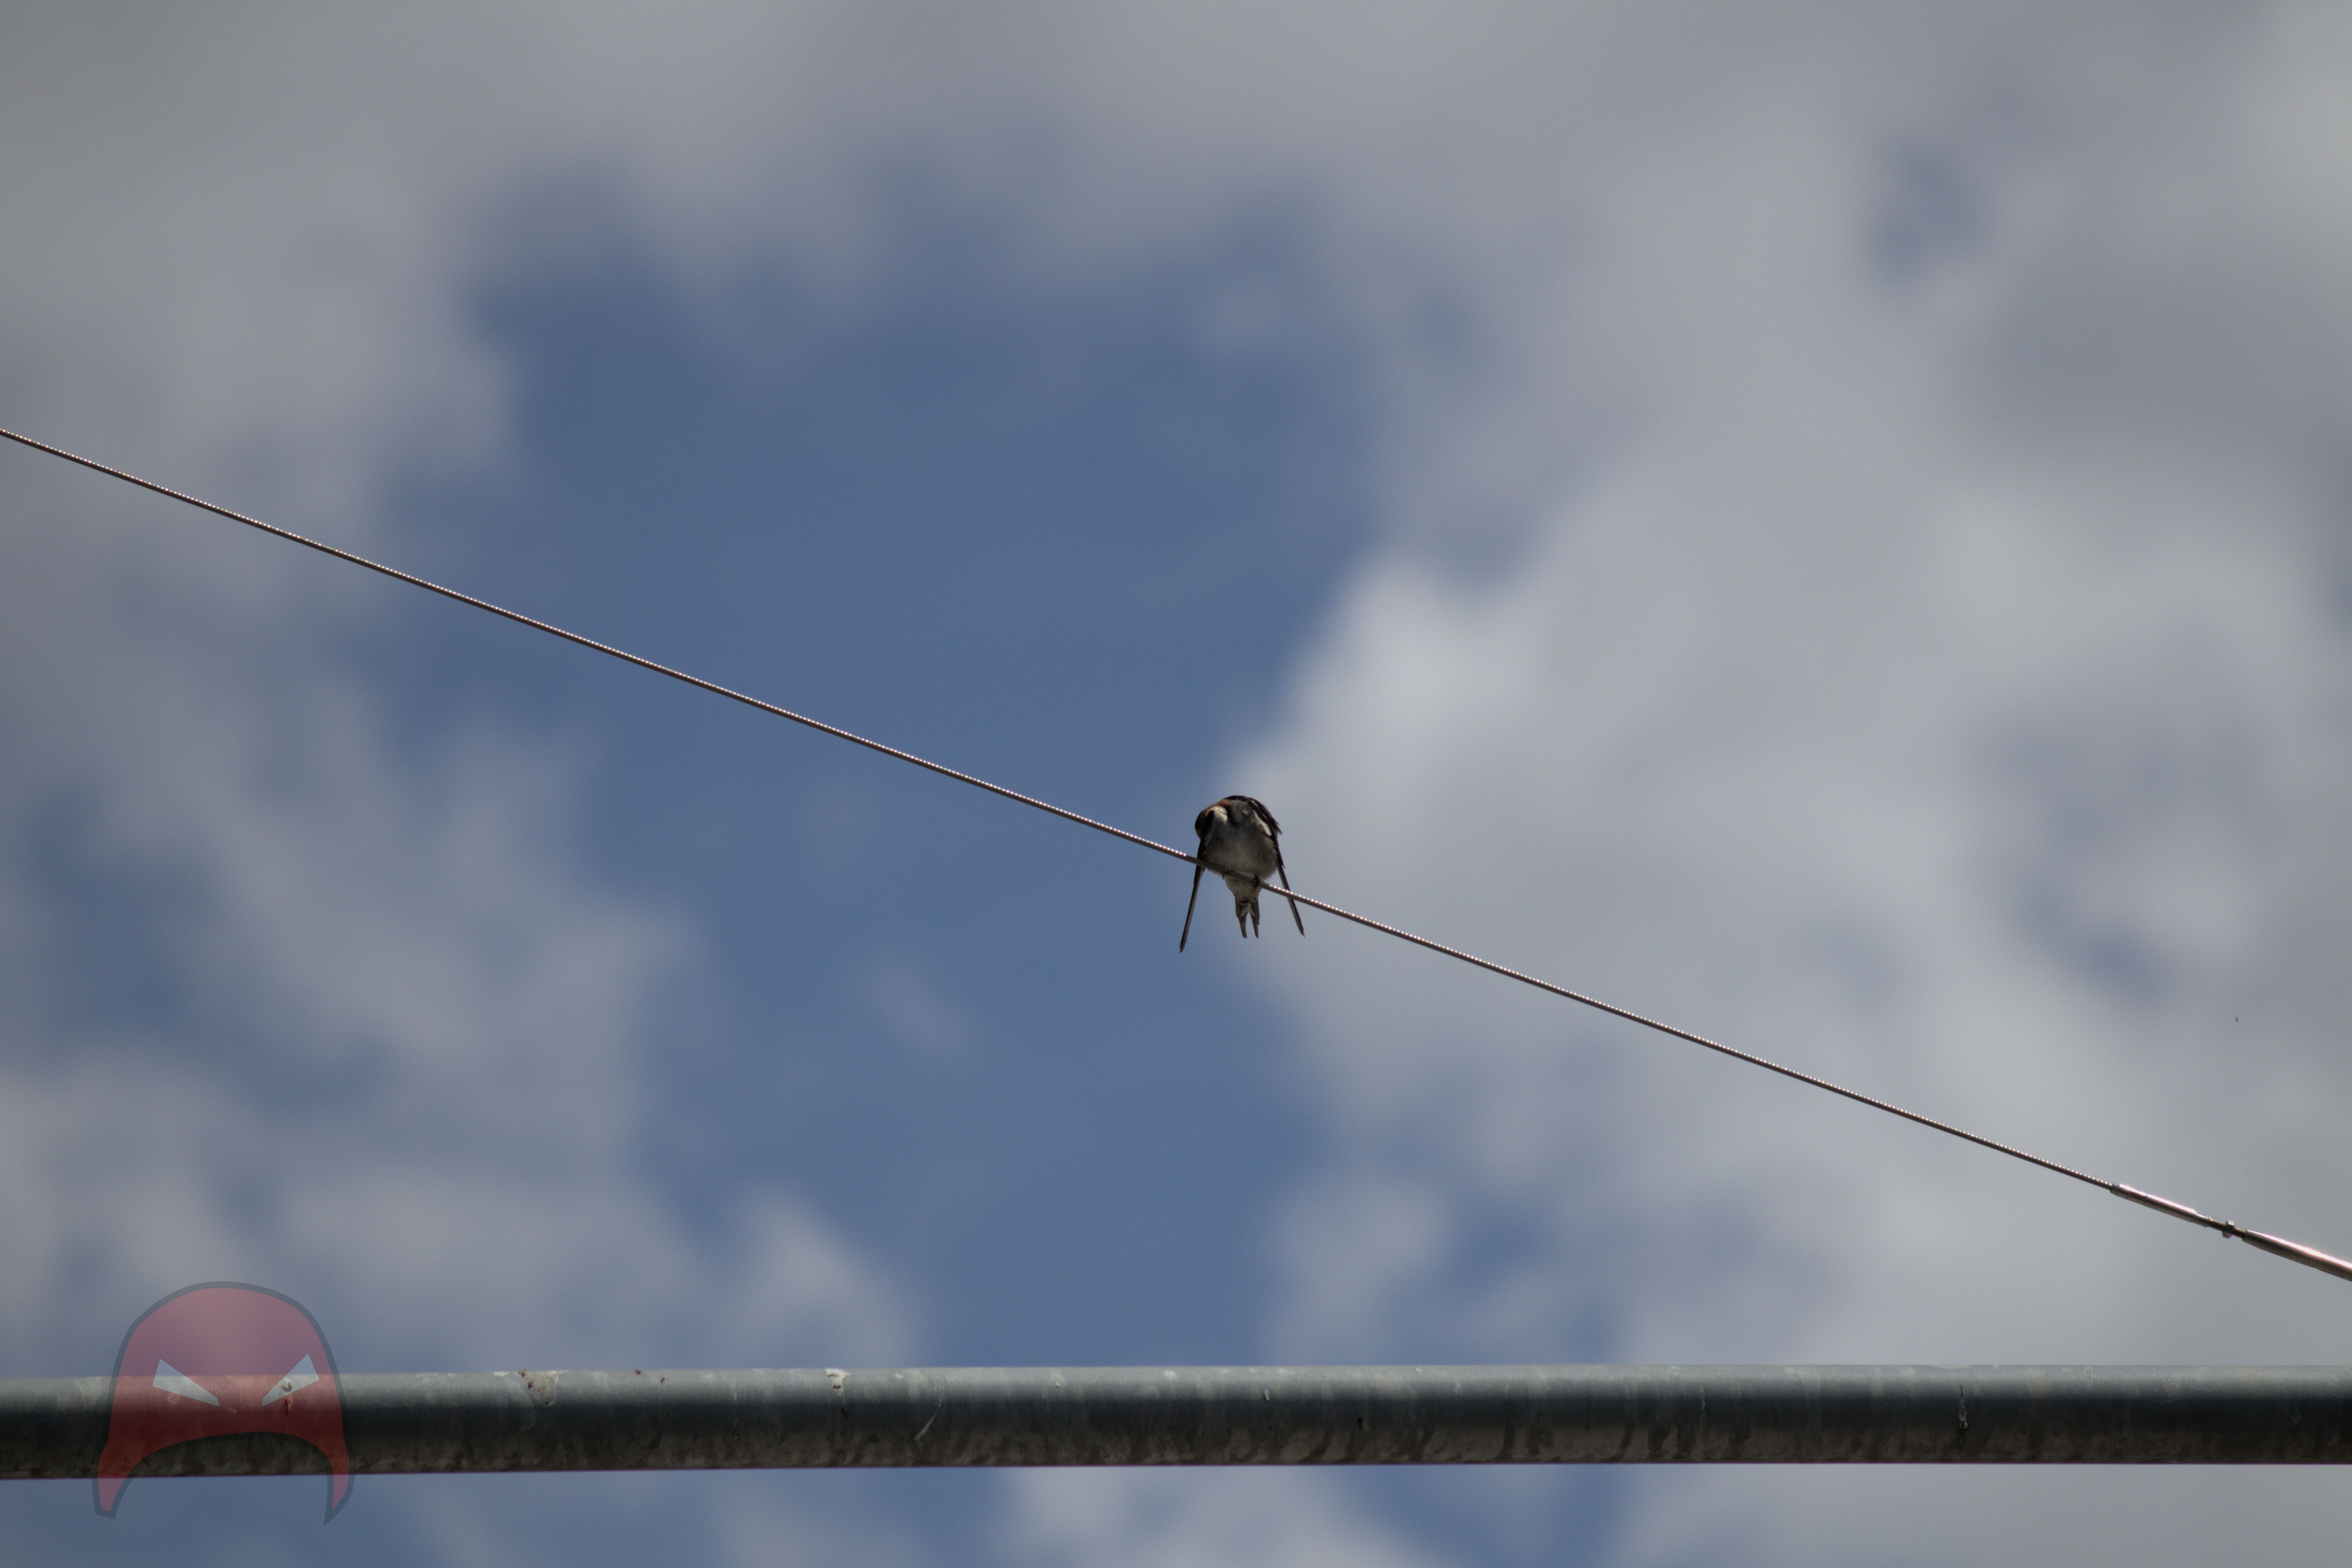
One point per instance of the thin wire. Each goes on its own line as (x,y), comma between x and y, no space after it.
(621,654)
(2292,1251)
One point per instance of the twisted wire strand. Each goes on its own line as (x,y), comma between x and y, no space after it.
(2278,1246)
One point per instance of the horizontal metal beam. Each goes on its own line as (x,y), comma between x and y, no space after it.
(414,1423)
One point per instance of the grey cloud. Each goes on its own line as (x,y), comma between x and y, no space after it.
(1913,432)
(244,254)
(1937,684)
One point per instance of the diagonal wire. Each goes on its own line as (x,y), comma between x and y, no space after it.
(2292,1251)
(621,654)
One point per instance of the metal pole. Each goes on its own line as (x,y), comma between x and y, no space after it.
(417,1423)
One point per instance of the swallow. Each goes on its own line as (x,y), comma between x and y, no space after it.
(1241,842)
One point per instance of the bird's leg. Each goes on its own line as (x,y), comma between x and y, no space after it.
(1285,875)
(1187,932)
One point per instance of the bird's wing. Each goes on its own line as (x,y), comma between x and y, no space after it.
(1183,936)
(1273,828)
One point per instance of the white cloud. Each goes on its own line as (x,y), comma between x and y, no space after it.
(1913,438)
(904,997)
(1933,678)
(406,1081)
(1212,1519)
(246,249)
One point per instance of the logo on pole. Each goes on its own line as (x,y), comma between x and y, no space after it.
(216,1361)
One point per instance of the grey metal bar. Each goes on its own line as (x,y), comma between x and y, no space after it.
(414,1423)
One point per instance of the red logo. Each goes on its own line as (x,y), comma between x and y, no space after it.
(217,1359)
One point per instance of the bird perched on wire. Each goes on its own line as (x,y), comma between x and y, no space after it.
(1241,842)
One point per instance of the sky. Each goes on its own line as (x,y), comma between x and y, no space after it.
(1825,523)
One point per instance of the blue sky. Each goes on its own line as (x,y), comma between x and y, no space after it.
(1826,525)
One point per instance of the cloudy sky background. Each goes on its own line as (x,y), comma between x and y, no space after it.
(1828,523)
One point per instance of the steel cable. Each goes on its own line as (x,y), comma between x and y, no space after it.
(2279,1246)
